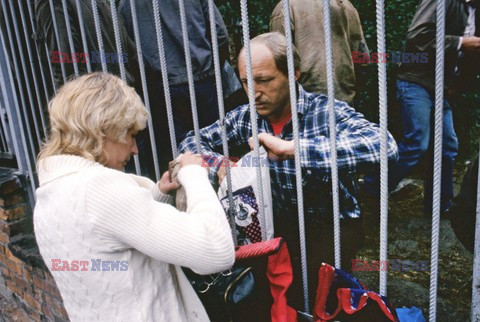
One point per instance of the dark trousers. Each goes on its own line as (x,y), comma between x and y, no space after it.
(418,106)
(319,249)
(207,110)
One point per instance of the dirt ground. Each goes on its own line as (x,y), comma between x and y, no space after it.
(409,236)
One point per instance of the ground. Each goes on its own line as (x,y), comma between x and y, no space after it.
(409,235)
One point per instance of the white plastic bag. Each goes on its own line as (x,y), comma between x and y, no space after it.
(245,198)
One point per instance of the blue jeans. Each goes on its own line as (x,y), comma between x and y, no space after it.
(418,107)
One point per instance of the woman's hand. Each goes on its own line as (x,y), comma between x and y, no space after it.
(165,184)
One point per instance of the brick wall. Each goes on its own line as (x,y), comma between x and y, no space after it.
(25,281)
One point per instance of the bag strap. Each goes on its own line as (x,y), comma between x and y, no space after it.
(260,249)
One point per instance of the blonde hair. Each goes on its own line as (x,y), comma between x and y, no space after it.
(89,109)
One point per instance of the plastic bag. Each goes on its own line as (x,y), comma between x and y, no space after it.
(245,198)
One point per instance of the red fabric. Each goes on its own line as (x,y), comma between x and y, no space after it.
(279,273)
(278,127)
(264,248)
(326,276)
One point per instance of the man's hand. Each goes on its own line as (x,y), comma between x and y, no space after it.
(471,44)
(222,171)
(277,148)
(188,158)
(165,184)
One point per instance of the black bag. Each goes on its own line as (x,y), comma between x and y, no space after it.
(253,290)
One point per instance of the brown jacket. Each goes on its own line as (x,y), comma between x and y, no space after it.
(421,38)
(307,31)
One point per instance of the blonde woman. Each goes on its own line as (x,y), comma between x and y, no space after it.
(111,240)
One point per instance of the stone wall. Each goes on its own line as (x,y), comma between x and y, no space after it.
(24,279)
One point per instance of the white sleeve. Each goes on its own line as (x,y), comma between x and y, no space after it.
(126,214)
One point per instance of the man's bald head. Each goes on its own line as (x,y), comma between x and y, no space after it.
(276,43)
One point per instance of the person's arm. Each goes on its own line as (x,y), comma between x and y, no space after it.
(470,43)
(236,124)
(422,31)
(357,44)
(127,216)
(358,143)
(277,19)
(43,16)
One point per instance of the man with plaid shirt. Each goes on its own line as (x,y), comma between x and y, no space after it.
(358,145)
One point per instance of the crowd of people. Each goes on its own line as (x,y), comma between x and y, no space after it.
(88,207)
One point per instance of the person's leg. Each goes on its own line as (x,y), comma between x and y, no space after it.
(417,106)
(449,152)
(206,105)
(207,101)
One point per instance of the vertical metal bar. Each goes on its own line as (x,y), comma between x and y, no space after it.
(296,138)
(84,36)
(19,141)
(3,130)
(476,259)
(25,73)
(37,47)
(253,110)
(121,64)
(50,68)
(166,86)
(118,43)
(221,113)
(191,84)
(70,37)
(382,88)
(17,72)
(98,30)
(144,87)
(438,141)
(332,129)
(34,74)
(57,37)
(34,29)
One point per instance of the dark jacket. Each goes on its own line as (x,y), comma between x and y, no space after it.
(198,26)
(308,37)
(464,208)
(45,31)
(421,38)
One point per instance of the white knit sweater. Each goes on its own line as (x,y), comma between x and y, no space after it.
(86,212)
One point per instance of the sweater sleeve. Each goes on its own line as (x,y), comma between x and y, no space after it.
(126,215)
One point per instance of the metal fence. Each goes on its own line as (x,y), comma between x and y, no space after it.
(27,83)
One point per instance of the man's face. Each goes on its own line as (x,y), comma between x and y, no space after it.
(272,96)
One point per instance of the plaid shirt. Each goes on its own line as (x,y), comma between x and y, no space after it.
(358,144)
